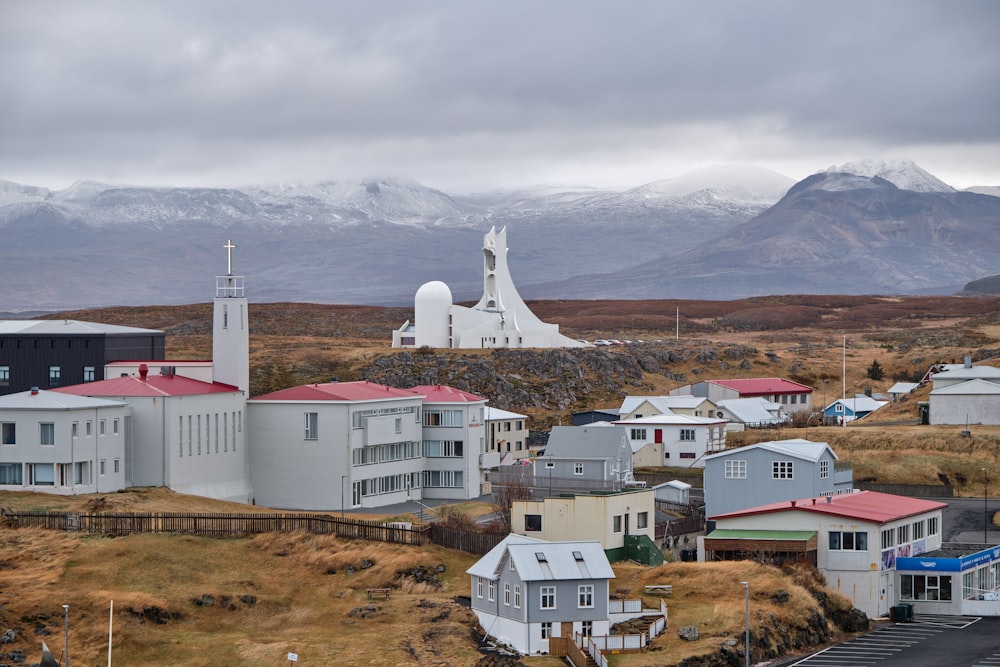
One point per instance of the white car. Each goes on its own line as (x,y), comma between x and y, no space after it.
(601,341)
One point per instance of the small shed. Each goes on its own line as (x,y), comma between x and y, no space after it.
(674,491)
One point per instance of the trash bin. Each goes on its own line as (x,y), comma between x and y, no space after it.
(689,555)
(907,611)
(897,614)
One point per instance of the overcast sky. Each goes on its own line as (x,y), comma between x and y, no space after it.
(468,96)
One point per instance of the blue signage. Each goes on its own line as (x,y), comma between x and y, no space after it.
(961,564)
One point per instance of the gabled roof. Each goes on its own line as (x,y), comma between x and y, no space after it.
(586,442)
(903,387)
(870,506)
(65,327)
(859,403)
(763,386)
(807,450)
(494,414)
(969,373)
(673,484)
(442,393)
(977,386)
(671,419)
(539,560)
(659,403)
(52,400)
(754,410)
(153,385)
(362,390)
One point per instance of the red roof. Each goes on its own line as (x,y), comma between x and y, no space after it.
(442,393)
(865,506)
(153,385)
(764,386)
(339,391)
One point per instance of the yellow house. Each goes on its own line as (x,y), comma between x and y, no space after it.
(605,517)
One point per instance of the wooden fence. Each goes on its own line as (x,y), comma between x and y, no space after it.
(215,524)
(461,540)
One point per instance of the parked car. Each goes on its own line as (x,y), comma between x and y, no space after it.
(601,342)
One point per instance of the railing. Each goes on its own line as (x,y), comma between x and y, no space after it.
(624,606)
(214,524)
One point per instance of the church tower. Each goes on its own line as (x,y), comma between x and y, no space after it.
(230,335)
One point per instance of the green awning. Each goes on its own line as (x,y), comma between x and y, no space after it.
(734,534)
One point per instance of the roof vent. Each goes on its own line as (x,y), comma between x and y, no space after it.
(143,372)
(829,499)
(168,371)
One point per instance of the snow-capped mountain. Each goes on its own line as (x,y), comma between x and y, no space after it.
(904,174)
(709,234)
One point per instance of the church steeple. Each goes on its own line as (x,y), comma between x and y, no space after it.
(230,335)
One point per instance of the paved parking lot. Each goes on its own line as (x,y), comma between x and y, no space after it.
(928,641)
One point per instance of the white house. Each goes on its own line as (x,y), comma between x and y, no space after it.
(454,443)
(853,539)
(62,444)
(792,396)
(501,319)
(637,407)
(743,413)
(974,401)
(674,440)
(185,434)
(337,445)
(506,435)
(526,591)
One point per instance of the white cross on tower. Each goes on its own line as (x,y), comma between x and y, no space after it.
(229,264)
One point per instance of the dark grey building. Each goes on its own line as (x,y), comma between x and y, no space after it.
(57,353)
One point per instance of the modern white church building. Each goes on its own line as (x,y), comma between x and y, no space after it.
(500,319)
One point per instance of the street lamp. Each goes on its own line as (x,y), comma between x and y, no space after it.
(66,609)
(746,640)
(986,511)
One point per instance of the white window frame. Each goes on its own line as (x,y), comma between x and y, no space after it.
(577,467)
(311,426)
(782,470)
(547,597)
(736,469)
(585,596)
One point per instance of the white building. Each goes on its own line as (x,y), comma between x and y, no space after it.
(500,319)
(966,394)
(506,435)
(674,440)
(637,407)
(62,444)
(454,443)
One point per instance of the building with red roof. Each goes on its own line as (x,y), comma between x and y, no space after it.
(454,443)
(854,539)
(793,396)
(183,433)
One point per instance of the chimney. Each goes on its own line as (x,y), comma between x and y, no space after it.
(968,361)
(793,503)
(814,501)
(143,372)
(829,500)
(34,391)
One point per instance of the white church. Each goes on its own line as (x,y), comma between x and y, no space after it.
(500,319)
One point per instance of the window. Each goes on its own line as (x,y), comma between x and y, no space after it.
(443,478)
(399,424)
(444,448)
(479,587)
(642,520)
(88,373)
(103,467)
(491,590)
(839,407)
(924,587)
(687,435)
(532,523)
(41,474)
(546,630)
(918,530)
(443,418)
(736,469)
(585,596)
(46,433)
(848,541)
(4,376)
(824,469)
(548,597)
(312,425)
(781,470)
(74,429)
(793,398)
(637,434)
(506,594)
(932,526)
(89,428)
(903,535)
(578,468)
(8,433)
(55,376)
(617,523)
(117,466)
(102,427)
(888,538)
(688,455)
(586,628)
(517,597)
(10,473)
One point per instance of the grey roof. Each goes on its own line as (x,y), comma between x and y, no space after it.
(976,386)
(796,447)
(53,400)
(754,410)
(903,387)
(859,403)
(66,327)
(969,373)
(583,442)
(493,414)
(539,560)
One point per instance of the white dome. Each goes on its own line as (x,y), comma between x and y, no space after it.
(433,293)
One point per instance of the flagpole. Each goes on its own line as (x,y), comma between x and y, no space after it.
(111,622)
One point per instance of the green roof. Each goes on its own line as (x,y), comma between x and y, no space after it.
(734,534)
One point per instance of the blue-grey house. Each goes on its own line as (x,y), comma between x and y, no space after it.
(771,472)
(849,409)
(525,591)
(590,457)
